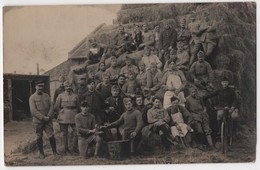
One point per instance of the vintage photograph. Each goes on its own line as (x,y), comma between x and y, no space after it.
(129,84)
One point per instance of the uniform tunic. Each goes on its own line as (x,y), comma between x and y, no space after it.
(201,71)
(147,60)
(68,106)
(173,79)
(113,72)
(40,106)
(142,78)
(201,118)
(131,121)
(126,69)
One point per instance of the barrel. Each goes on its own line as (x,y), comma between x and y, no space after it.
(119,150)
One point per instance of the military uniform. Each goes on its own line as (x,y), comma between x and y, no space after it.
(85,123)
(201,71)
(208,37)
(42,108)
(68,106)
(126,69)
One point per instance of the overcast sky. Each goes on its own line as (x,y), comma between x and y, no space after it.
(45,34)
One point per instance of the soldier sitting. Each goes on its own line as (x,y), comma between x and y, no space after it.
(123,42)
(201,73)
(87,131)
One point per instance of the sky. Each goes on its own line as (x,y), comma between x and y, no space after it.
(45,34)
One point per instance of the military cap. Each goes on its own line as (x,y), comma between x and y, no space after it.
(84,103)
(201,54)
(39,83)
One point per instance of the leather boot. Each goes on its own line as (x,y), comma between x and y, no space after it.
(209,139)
(40,146)
(65,144)
(75,144)
(53,145)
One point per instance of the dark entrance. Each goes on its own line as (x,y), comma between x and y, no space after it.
(20,95)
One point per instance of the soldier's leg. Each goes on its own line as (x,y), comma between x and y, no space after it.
(39,132)
(210,49)
(50,134)
(207,130)
(82,144)
(195,49)
(75,138)
(98,140)
(220,114)
(64,131)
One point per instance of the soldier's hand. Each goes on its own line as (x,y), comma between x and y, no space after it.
(133,134)
(111,108)
(46,118)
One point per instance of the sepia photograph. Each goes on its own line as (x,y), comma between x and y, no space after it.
(147,83)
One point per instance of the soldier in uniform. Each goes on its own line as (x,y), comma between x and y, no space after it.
(68,105)
(208,35)
(96,102)
(87,131)
(183,34)
(60,89)
(168,39)
(201,73)
(128,67)
(123,42)
(195,43)
(42,110)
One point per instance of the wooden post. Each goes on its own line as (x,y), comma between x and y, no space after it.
(10,92)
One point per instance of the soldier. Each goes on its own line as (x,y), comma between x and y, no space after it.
(195,42)
(167,41)
(208,35)
(104,87)
(60,89)
(95,101)
(123,42)
(97,52)
(114,109)
(200,122)
(113,71)
(142,75)
(156,35)
(128,67)
(42,111)
(68,105)
(183,34)
(101,71)
(131,123)
(201,73)
(158,120)
(87,132)
(154,77)
(137,36)
(148,38)
(173,82)
(149,58)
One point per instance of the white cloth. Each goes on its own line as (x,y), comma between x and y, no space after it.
(182,127)
(173,81)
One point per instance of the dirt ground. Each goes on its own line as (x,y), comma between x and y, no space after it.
(17,153)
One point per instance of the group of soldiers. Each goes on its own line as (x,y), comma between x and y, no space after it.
(165,94)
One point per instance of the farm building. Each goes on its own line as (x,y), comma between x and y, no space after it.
(17,90)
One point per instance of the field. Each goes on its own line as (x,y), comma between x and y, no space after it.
(243,150)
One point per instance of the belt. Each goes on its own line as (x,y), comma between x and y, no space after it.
(69,107)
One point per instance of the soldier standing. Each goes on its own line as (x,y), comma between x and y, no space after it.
(67,105)
(42,111)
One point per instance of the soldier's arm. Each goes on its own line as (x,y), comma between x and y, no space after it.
(79,127)
(57,105)
(139,120)
(186,114)
(51,110)
(166,116)
(192,71)
(34,110)
(210,72)
(118,122)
